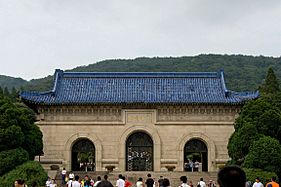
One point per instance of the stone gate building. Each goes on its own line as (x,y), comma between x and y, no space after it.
(136,121)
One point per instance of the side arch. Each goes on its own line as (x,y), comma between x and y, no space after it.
(156,145)
(209,143)
(72,139)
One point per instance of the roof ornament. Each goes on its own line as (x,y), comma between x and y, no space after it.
(226,91)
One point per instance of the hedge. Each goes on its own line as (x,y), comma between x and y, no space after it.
(29,171)
(12,158)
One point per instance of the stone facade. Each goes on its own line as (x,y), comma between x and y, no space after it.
(108,127)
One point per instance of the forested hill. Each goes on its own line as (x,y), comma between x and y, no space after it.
(10,82)
(242,73)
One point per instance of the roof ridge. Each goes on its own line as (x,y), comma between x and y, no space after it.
(142,74)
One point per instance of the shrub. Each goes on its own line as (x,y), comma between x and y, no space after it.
(12,158)
(240,142)
(252,174)
(264,154)
(29,171)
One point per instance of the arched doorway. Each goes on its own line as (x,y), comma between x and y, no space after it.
(83,155)
(139,151)
(195,156)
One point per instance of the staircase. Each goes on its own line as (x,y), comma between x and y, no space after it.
(133,176)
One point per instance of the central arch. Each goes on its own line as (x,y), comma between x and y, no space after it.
(195,155)
(83,155)
(139,152)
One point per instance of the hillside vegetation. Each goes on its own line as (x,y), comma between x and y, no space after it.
(242,73)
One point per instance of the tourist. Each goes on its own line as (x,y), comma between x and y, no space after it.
(201,183)
(139,183)
(120,182)
(184,181)
(105,177)
(63,175)
(98,181)
(248,183)
(258,183)
(71,176)
(191,165)
(211,184)
(87,181)
(149,181)
(190,183)
(196,165)
(166,182)
(74,183)
(160,181)
(127,183)
(231,176)
(92,182)
(19,183)
(104,183)
(273,182)
(48,182)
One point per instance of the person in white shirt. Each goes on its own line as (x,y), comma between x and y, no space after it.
(139,183)
(98,181)
(202,183)
(258,183)
(75,183)
(120,182)
(48,182)
(71,175)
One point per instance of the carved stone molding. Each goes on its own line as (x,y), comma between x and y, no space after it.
(80,113)
(197,113)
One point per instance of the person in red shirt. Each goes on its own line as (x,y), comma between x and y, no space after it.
(127,183)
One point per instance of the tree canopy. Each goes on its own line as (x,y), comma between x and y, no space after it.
(19,136)
(257,137)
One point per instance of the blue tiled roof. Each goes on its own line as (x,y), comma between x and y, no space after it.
(71,88)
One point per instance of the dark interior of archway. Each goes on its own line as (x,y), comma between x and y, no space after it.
(83,156)
(195,151)
(139,151)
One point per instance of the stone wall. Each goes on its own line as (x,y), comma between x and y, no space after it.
(108,127)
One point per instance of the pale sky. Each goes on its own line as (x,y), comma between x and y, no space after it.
(39,36)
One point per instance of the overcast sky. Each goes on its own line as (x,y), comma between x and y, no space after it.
(39,36)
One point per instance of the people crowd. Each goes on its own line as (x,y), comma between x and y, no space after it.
(191,166)
(229,176)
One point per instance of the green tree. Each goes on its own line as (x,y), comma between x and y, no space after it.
(6,92)
(1,92)
(11,158)
(265,154)
(14,94)
(264,115)
(13,137)
(17,128)
(240,142)
(270,86)
(252,112)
